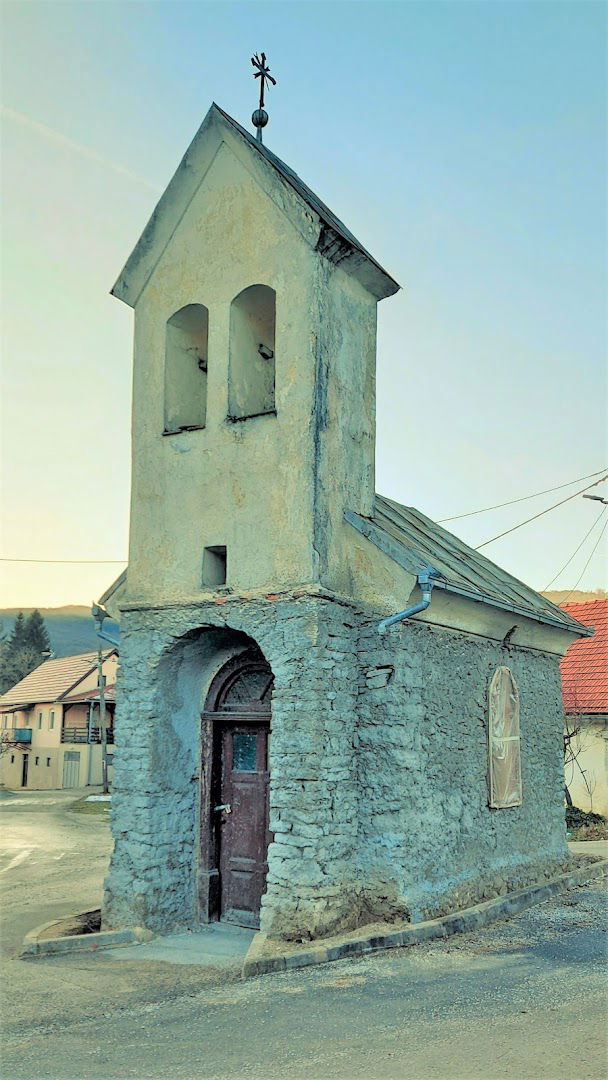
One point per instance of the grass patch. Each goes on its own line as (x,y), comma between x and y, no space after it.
(97,809)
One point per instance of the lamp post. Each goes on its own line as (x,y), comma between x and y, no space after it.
(99,615)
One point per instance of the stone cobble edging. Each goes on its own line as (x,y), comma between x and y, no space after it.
(262,957)
(35,944)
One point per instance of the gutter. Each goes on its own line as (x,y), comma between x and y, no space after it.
(407,557)
(426,582)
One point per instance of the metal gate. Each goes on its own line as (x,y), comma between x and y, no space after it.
(71,768)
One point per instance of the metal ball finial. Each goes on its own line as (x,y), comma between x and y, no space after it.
(259,118)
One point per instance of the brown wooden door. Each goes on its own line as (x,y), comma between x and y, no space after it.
(243,820)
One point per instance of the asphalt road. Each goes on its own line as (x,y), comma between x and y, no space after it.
(523,999)
(52,862)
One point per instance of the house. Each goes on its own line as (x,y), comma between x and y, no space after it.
(584,671)
(50,727)
(330,710)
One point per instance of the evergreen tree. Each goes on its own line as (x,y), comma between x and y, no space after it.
(36,634)
(18,638)
(23,650)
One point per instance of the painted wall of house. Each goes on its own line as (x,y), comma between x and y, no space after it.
(590,792)
(46,752)
(378,765)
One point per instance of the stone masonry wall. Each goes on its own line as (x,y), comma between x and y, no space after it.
(378,765)
(430,841)
(168,659)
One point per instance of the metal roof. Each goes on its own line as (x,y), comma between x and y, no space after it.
(52,680)
(417,543)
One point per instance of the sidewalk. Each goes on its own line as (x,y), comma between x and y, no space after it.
(216,945)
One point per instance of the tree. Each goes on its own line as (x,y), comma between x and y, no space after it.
(36,634)
(23,650)
(17,638)
(8,742)
(573,747)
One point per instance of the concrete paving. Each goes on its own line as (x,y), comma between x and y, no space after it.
(589,847)
(218,945)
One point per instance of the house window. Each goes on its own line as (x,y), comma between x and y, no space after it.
(51,719)
(39,721)
(186,369)
(48,762)
(37,761)
(252,363)
(12,759)
(504,740)
(214,567)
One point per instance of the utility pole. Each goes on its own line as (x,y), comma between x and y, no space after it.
(99,615)
(101,682)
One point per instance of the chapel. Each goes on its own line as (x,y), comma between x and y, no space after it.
(330,710)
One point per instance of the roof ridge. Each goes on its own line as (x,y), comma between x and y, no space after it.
(331,239)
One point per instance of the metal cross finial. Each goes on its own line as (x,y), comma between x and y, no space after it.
(260,116)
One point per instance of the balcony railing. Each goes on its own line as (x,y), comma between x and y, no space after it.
(22,734)
(83,735)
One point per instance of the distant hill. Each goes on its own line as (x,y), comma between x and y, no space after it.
(577,597)
(71,629)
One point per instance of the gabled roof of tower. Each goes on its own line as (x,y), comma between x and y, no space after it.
(331,238)
(416,543)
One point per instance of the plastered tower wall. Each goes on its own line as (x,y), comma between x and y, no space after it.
(272,489)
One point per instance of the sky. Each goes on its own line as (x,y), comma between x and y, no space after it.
(463,143)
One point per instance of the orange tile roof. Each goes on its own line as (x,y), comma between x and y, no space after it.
(91,695)
(584,668)
(51,680)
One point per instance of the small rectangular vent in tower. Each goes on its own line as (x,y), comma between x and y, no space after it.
(214,567)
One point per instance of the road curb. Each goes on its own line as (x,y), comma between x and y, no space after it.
(263,959)
(33,946)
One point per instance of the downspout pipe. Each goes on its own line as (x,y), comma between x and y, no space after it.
(425,581)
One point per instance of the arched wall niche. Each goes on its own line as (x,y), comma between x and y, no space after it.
(186,369)
(251,380)
(202,678)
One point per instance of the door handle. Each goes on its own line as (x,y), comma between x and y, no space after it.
(224,806)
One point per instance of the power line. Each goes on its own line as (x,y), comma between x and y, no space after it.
(47,562)
(595,547)
(588,533)
(541,514)
(524,498)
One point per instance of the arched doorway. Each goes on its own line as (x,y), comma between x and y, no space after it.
(237,722)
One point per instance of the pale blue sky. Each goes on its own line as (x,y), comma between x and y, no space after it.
(463,143)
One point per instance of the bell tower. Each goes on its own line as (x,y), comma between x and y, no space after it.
(254,378)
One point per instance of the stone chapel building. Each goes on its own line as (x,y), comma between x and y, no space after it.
(282,759)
